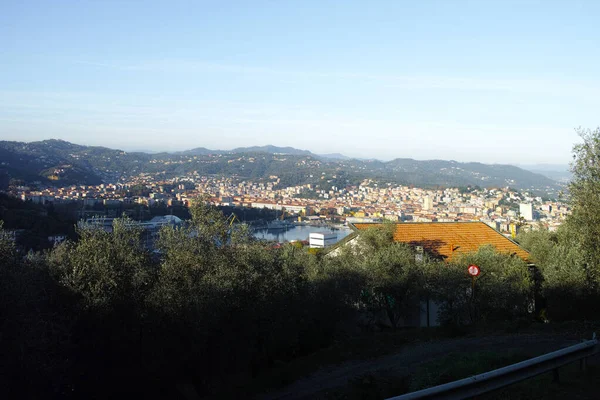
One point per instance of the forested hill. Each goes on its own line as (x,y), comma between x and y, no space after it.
(64,163)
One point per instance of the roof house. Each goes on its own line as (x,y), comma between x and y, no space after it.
(447,240)
(442,240)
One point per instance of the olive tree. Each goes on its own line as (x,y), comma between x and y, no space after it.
(233,301)
(35,327)
(565,285)
(7,247)
(504,288)
(392,280)
(569,260)
(106,268)
(584,222)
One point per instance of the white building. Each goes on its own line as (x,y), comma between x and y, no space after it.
(320,240)
(526,211)
(296,209)
(427,203)
(359,220)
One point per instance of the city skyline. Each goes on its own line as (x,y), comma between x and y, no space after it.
(464,81)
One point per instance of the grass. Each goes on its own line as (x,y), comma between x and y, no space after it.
(458,366)
(352,348)
(574,384)
(384,384)
(360,347)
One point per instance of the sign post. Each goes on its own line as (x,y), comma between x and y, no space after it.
(474,271)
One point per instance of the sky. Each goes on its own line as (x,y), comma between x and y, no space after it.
(488,81)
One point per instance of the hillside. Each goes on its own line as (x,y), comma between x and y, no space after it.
(558,172)
(64,163)
(272,150)
(263,149)
(484,175)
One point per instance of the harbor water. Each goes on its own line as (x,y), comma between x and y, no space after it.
(299,232)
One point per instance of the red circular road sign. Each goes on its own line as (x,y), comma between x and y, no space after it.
(473,270)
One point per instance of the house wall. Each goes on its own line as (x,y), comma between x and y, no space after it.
(430,318)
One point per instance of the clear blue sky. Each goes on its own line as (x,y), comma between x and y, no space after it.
(490,81)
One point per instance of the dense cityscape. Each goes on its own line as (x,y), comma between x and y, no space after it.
(367,202)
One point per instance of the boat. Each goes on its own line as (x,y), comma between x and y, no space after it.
(278,224)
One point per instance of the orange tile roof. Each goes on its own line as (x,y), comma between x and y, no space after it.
(449,239)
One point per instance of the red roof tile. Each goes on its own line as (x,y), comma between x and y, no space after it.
(449,239)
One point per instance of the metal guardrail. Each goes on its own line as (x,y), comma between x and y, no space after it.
(499,378)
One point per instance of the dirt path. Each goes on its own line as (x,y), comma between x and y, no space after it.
(405,361)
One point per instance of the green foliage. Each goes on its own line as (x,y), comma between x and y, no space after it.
(7,247)
(237,303)
(569,260)
(503,290)
(565,283)
(393,283)
(540,243)
(35,328)
(37,221)
(107,269)
(584,222)
(390,279)
(459,366)
(376,238)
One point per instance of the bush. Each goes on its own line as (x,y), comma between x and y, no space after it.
(503,290)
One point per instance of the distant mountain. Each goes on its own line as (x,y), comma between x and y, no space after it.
(546,167)
(334,156)
(62,163)
(48,161)
(272,150)
(288,150)
(145,151)
(199,151)
(557,172)
(473,173)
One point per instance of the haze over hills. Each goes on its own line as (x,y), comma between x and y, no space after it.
(63,163)
(263,149)
(558,172)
